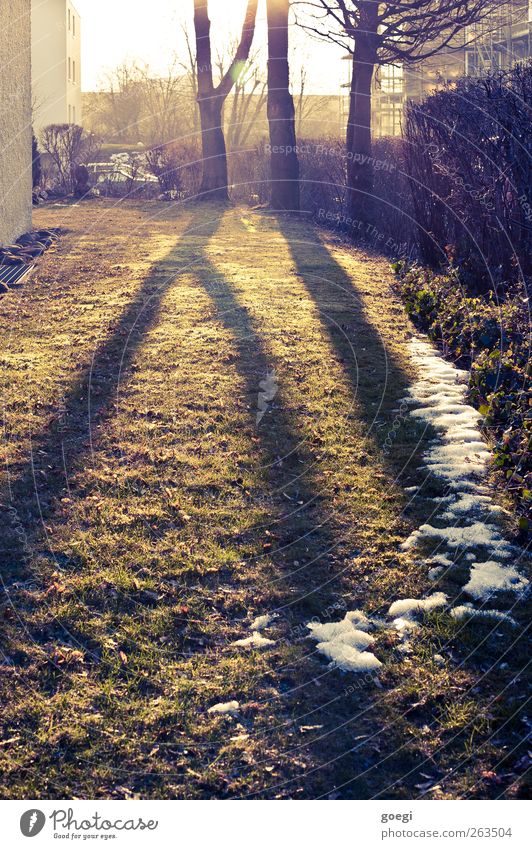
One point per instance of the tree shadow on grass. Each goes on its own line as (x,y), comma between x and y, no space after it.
(299,527)
(376,376)
(33,494)
(301,533)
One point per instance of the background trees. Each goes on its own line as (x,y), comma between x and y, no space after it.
(385,33)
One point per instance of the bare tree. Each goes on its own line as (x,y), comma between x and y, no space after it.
(281,112)
(245,104)
(375,34)
(69,147)
(211,98)
(121,102)
(307,106)
(165,104)
(190,70)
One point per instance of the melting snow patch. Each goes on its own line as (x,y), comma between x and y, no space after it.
(225,708)
(347,658)
(256,641)
(467,611)
(441,560)
(490,577)
(262,622)
(344,642)
(359,620)
(408,607)
(459,457)
(476,534)
(471,503)
(403,626)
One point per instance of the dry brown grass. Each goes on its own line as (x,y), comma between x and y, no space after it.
(153,519)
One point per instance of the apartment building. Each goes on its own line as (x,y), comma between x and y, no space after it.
(503,38)
(15,120)
(56,63)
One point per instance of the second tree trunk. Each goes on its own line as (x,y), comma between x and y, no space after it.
(281,112)
(358,143)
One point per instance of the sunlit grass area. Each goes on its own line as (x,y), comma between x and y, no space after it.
(195,404)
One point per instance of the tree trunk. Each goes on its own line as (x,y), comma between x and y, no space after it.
(281,112)
(211,99)
(214,176)
(358,140)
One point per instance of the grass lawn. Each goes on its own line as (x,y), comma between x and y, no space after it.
(150,517)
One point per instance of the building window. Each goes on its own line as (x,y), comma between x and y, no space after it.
(391,119)
(73,70)
(73,25)
(73,114)
(69,68)
(69,20)
(69,114)
(392,81)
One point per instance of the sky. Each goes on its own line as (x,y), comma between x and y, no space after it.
(114,31)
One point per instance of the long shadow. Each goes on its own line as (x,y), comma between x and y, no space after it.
(284,460)
(34,493)
(377,378)
(312,589)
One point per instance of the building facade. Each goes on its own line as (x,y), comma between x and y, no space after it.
(56,63)
(15,120)
(501,40)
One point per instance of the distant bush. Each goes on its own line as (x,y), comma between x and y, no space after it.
(492,339)
(249,175)
(468,153)
(177,166)
(455,191)
(68,146)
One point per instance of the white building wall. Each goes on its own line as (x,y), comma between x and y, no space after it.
(56,61)
(15,120)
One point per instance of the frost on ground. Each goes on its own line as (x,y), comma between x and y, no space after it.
(458,457)
(468,611)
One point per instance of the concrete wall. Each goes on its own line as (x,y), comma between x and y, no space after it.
(15,120)
(56,63)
